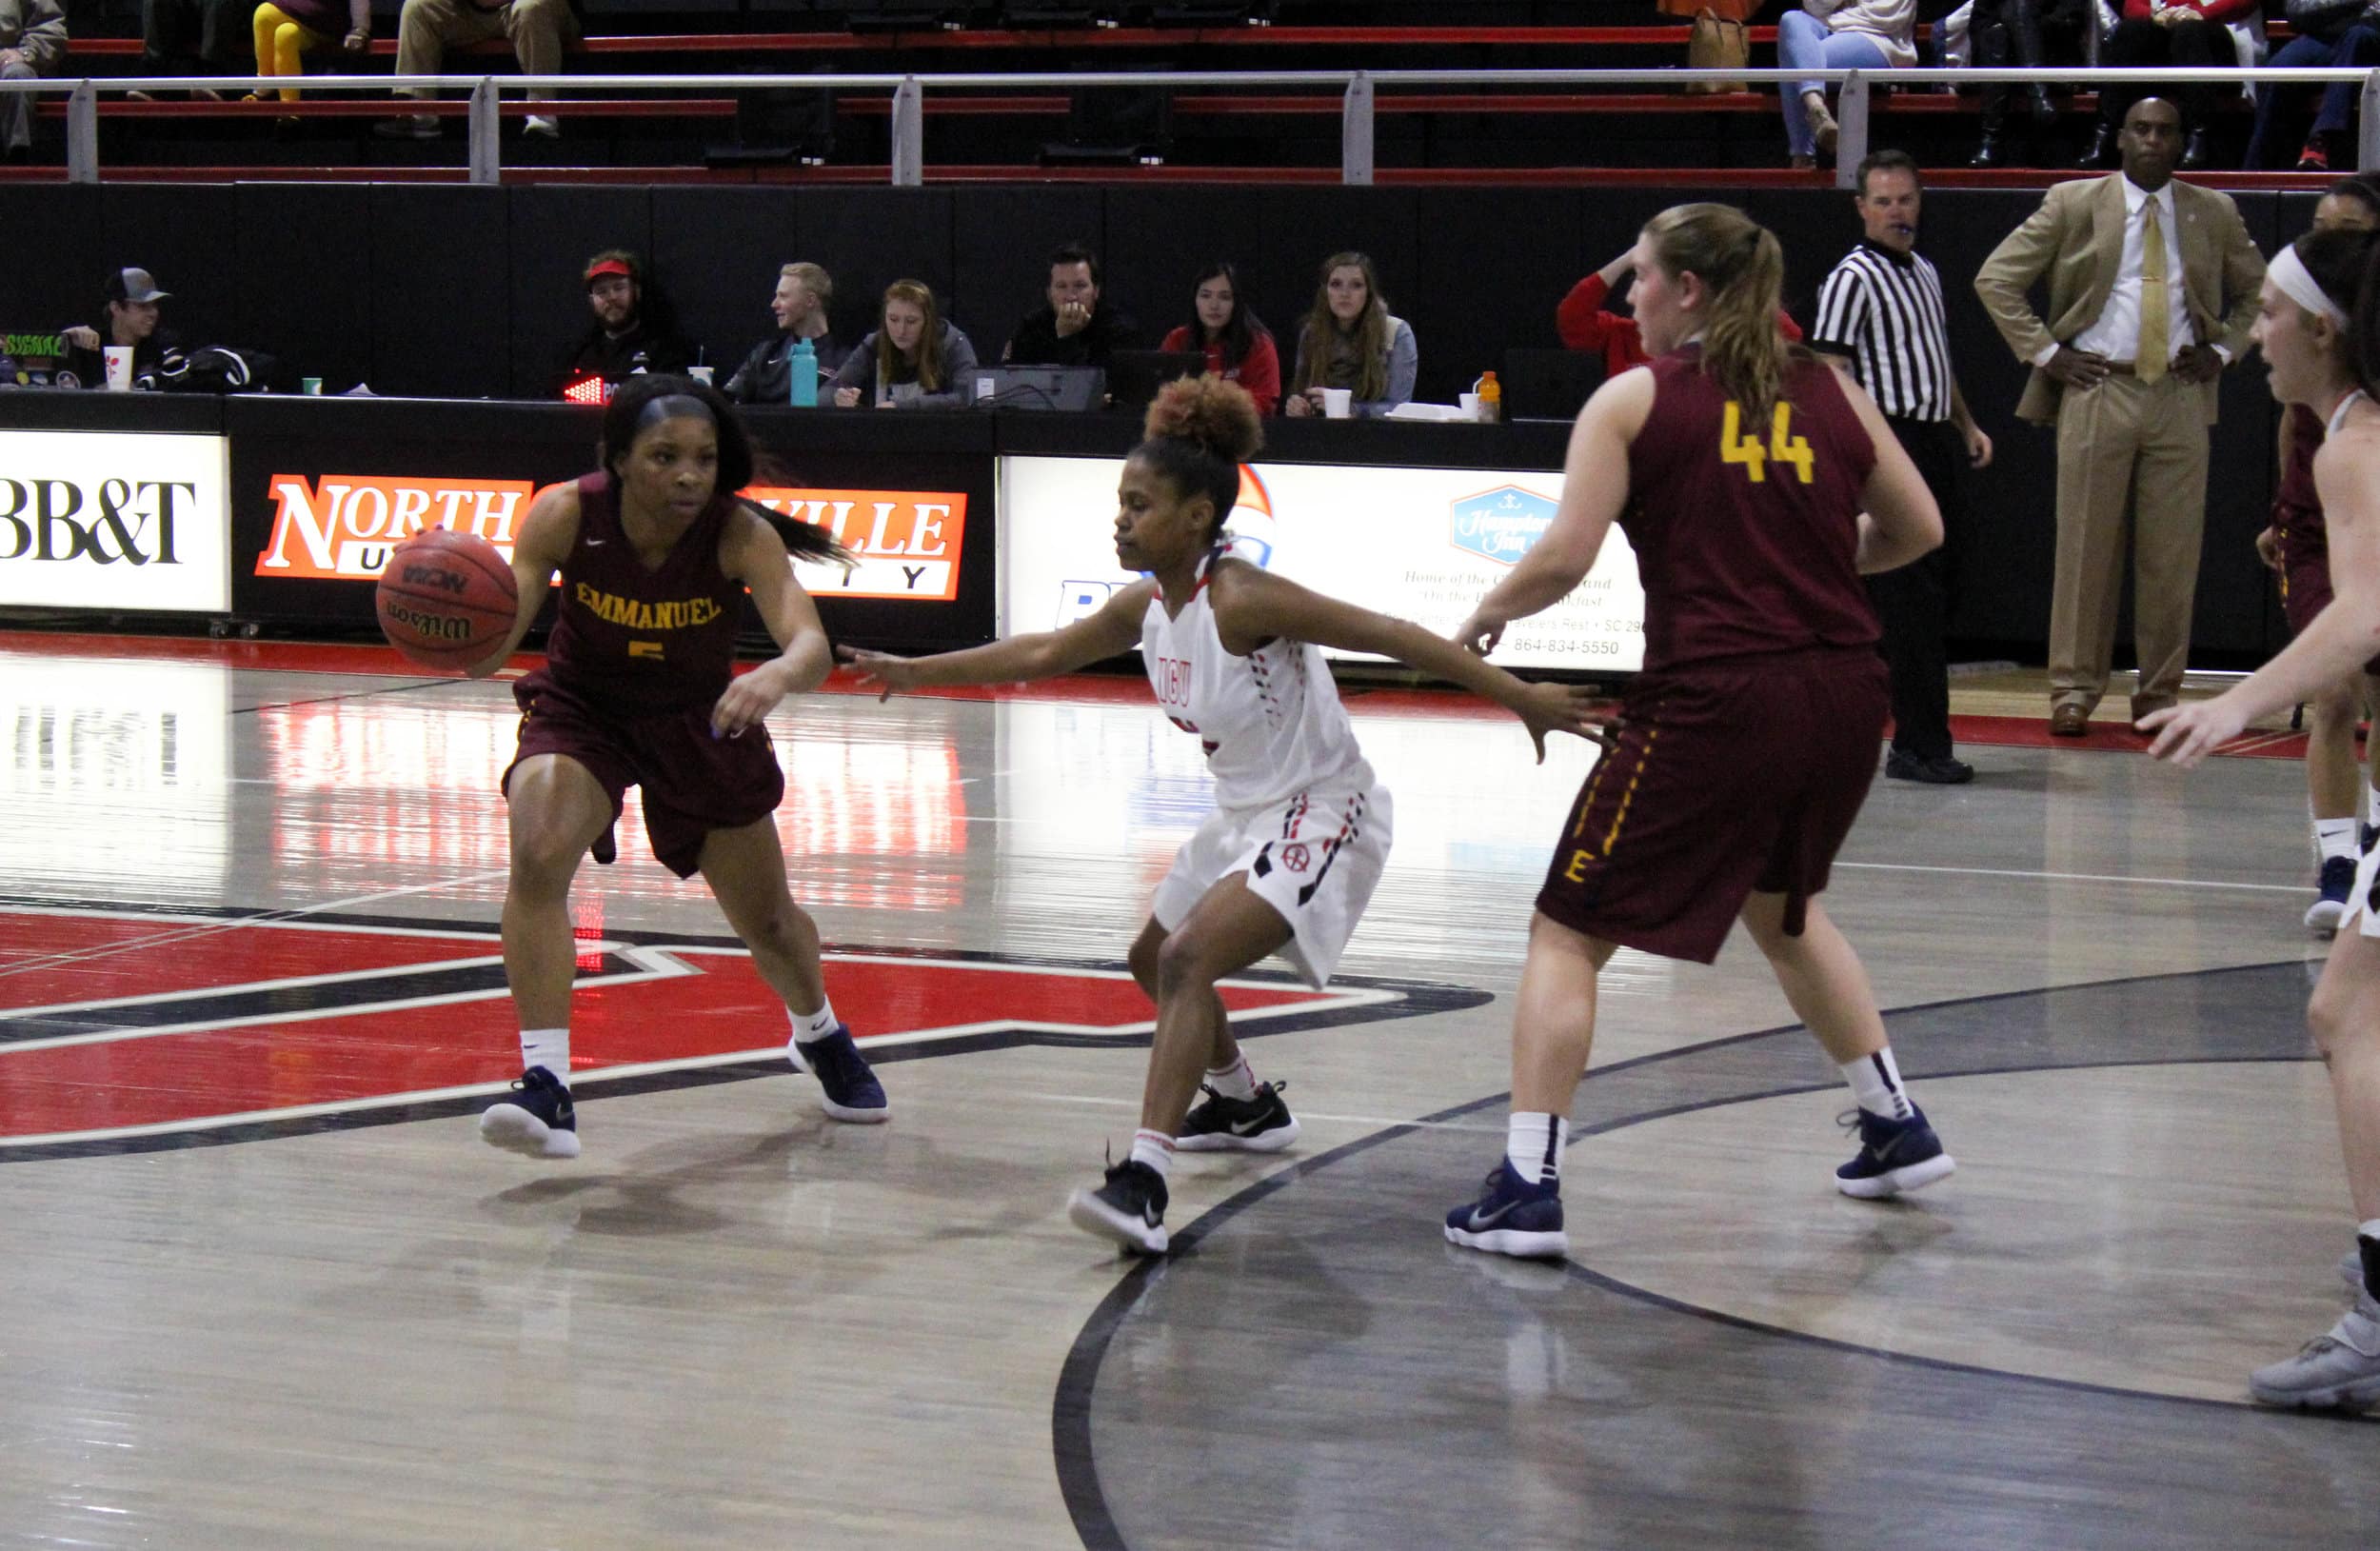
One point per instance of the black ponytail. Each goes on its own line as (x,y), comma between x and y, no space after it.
(637,398)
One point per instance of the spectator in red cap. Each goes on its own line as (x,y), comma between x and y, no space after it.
(635,328)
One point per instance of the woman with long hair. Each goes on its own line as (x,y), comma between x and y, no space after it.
(1351,341)
(656,551)
(917,358)
(1300,829)
(1238,346)
(1757,486)
(2318,325)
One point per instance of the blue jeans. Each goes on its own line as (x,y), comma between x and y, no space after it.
(2358,44)
(1805,43)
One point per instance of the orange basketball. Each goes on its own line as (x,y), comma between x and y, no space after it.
(446,599)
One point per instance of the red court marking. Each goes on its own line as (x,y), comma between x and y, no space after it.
(720,1009)
(46,959)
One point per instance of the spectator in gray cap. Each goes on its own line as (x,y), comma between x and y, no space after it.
(132,319)
(32,42)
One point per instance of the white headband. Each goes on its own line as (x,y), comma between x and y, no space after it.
(2288,273)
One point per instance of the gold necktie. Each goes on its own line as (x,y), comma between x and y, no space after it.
(2156,351)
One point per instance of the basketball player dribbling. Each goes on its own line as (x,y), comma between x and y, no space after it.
(1300,829)
(2319,328)
(1739,467)
(656,553)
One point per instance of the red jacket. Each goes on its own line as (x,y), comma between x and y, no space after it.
(1260,373)
(1584,326)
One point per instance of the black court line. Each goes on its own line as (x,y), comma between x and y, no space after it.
(1073,1445)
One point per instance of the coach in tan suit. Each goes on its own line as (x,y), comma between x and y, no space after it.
(2140,268)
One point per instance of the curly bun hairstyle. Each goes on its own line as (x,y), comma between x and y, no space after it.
(1198,431)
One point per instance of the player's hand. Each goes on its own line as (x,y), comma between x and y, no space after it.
(2076,369)
(2268,547)
(1561,707)
(748,699)
(82,337)
(1978,446)
(1479,633)
(883,669)
(2186,734)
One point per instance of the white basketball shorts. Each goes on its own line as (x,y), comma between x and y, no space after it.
(1315,858)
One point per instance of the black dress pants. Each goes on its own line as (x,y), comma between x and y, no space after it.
(1913,602)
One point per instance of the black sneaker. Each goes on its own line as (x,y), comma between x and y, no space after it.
(1129,1208)
(1895,1156)
(1945,771)
(1262,1123)
(537,1119)
(847,1085)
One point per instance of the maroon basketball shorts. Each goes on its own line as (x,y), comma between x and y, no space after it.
(693,783)
(2304,579)
(1726,778)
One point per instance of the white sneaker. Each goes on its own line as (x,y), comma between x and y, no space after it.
(543,126)
(2339,1370)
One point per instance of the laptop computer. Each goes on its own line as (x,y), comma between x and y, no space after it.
(1549,385)
(1039,388)
(1134,376)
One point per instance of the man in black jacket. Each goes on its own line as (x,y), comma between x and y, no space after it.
(1078,328)
(634,330)
(131,318)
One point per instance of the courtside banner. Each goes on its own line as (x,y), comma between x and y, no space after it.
(1421,543)
(127,523)
(342,528)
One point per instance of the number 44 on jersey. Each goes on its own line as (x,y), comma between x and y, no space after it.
(1783,446)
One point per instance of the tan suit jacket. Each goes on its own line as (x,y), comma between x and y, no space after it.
(2076,238)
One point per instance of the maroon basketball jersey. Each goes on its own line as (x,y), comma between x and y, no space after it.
(1745,535)
(2304,516)
(644,641)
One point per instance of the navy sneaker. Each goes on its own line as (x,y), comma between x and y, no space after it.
(2365,835)
(1129,1208)
(536,1119)
(2336,881)
(1895,1155)
(1262,1123)
(848,1090)
(1514,1218)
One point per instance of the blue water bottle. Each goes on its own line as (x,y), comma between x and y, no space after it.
(802,374)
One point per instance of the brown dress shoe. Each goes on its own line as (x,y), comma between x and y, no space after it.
(2069,721)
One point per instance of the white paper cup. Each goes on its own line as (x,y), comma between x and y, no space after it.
(700,375)
(119,367)
(1470,402)
(1338,403)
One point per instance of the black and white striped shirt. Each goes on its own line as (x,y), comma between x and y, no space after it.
(1884,311)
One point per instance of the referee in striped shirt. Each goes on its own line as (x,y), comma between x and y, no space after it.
(1881,319)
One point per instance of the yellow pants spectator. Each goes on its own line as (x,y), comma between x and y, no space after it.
(280,40)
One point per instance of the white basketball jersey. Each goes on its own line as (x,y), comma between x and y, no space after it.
(1271,721)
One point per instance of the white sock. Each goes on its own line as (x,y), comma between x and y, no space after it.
(1154,1148)
(1876,1081)
(1533,1147)
(2335,837)
(549,1048)
(2371,803)
(1237,1081)
(808,1029)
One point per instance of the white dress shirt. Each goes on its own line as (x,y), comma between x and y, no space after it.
(2116,333)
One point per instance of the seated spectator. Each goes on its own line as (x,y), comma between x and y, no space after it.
(1078,328)
(131,317)
(1584,326)
(799,304)
(285,29)
(2342,34)
(33,42)
(1836,35)
(1351,340)
(2028,34)
(193,37)
(635,329)
(540,29)
(2187,34)
(1238,346)
(915,360)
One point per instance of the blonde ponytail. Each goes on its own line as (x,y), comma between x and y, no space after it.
(1742,271)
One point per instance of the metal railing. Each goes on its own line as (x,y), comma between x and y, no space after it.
(1360,93)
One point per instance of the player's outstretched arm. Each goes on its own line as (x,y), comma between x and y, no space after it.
(752,554)
(1111,632)
(1594,488)
(2342,637)
(1901,522)
(1253,607)
(546,534)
